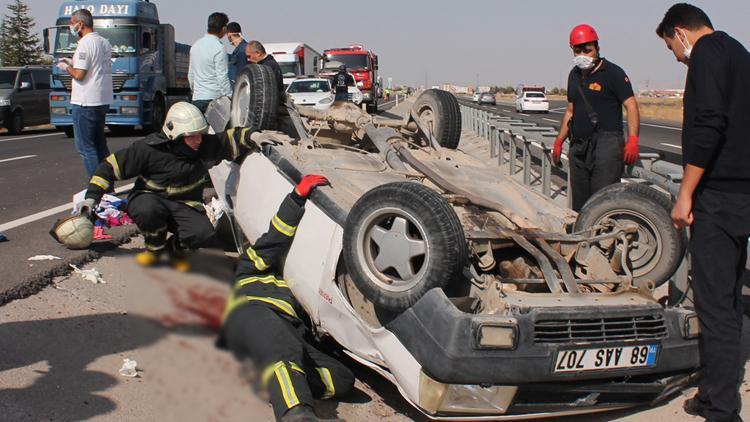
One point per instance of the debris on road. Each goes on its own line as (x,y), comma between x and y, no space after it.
(129,368)
(3,238)
(44,258)
(91,275)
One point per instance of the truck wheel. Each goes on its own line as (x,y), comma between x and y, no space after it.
(401,240)
(68,131)
(158,113)
(15,123)
(440,111)
(255,99)
(657,248)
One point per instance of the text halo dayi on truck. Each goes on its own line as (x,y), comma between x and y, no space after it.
(149,70)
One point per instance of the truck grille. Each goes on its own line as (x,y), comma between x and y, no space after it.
(118,80)
(642,327)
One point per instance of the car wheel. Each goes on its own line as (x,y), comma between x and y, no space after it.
(401,240)
(657,248)
(68,131)
(15,123)
(440,111)
(256,99)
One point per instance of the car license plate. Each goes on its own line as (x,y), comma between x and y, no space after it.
(606,358)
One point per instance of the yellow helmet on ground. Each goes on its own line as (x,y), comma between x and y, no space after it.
(75,232)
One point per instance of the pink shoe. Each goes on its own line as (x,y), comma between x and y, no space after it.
(99,233)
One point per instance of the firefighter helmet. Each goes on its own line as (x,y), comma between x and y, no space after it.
(183,119)
(75,232)
(583,34)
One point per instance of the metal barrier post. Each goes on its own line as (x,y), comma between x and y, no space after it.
(512,155)
(526,162)
(546,171)
(499,148)
(493,135)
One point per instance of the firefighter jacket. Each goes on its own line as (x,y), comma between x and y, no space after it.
(258,279)
(167,168)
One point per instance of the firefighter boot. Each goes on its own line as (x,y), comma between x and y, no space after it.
(178,256)
(146,258)
(304,413)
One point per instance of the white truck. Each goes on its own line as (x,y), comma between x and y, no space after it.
(294,58)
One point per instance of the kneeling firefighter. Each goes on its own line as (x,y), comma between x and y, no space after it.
(263,321)
(171,169)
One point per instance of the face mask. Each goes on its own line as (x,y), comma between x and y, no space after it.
(583,62)
(73,30)
(687,47)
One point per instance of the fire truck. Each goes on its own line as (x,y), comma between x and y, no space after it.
(361,63)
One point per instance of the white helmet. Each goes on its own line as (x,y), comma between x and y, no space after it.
(76,232)
(184,119)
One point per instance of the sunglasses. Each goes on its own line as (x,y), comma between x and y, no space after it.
(583,48)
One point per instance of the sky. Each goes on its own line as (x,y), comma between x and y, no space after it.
(465,42)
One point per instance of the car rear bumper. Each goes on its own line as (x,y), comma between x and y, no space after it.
(535,107)
(444,340)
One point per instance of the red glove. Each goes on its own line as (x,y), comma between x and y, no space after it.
(308,183)
(631,150)
(557,150)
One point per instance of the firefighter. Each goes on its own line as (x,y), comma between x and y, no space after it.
(262,321)
(597,91)
(171,168)
(341,83)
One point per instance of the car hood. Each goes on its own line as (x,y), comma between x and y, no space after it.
(309,97)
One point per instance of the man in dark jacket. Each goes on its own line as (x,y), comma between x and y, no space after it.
(341,82)
(256,53)
(171,168)
(238,58)
(714,197)
(263,321)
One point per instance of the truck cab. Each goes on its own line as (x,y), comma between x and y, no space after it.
(149,70)
(295,59)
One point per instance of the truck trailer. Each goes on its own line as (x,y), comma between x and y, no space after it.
(295,59)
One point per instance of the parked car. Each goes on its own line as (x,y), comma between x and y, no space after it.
(24,96)
(487,98)
(311,92)
(476,296)
(532,101)
(475,97)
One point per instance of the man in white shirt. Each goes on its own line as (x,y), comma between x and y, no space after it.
(208,74)
(91,70)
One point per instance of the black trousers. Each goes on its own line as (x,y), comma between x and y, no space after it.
(718,254)
(292,370)
(594,164)
(156,216)
(202,105)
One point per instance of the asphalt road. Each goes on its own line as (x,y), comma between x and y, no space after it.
(661,137)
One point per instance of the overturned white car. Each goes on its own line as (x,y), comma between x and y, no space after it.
(477,297)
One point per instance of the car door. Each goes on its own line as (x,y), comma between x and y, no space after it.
(42,90)
(24,98)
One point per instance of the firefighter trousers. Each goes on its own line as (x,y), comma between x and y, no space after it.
(291,369)
(156,217)
(594,164)
(718,253)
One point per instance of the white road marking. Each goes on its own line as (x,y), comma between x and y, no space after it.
(555,110)
(550,120)
(46,213)
(670,145)
(660,126)
(21,138)
(17,158)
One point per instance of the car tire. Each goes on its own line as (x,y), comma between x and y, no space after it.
(15,123)
(68,131)
(256,99)
(397,220)
(158,114)
(661,247)
(440,111)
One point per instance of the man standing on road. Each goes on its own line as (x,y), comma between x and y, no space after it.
(714,197)
(256,54)
(209,73)
(597,91)
(91,72)
(341,82)
(238,58)
(171,168)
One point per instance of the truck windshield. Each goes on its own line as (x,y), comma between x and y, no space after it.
(7,79)
(309,86)
(351,61)
(288,70)
(123,40)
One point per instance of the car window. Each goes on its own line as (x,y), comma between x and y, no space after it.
(41,79)
(309,86)
(26,77)
(535,95)
(7,79)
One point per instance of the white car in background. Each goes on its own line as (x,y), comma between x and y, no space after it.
(309,92)
(532,101)
(475,97)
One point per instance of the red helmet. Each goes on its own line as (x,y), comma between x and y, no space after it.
(583,34)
